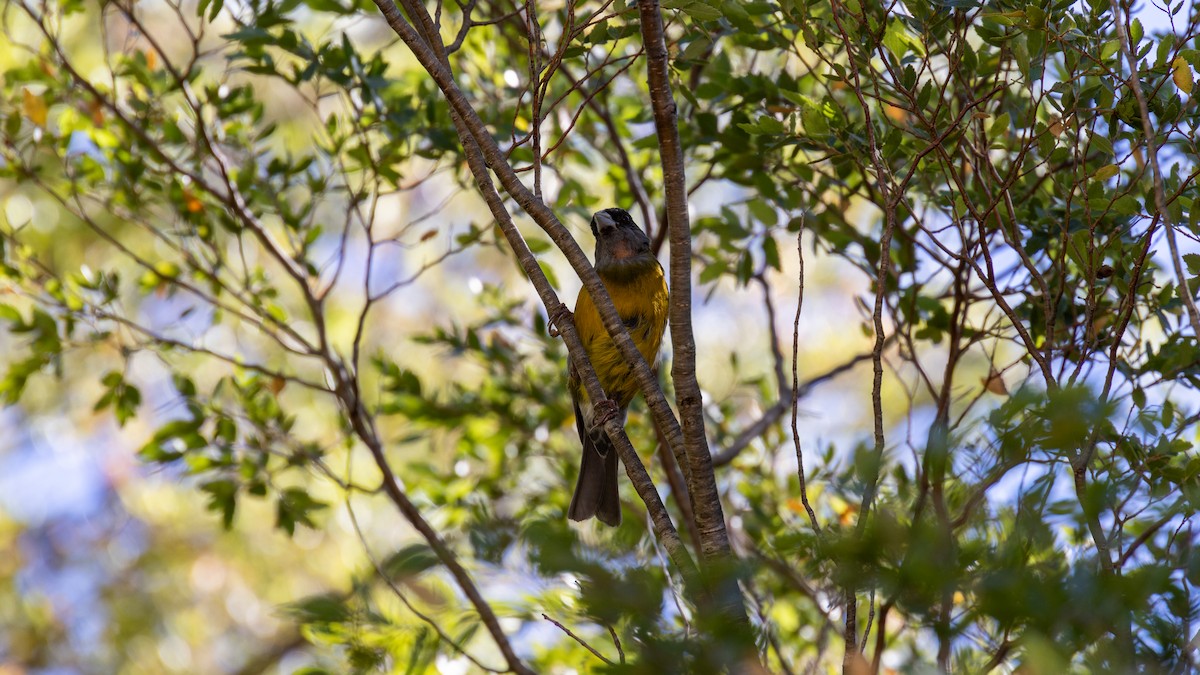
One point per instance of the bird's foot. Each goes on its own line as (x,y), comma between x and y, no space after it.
(560,315)
(603,411)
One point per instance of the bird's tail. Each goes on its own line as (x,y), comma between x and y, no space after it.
(596,490)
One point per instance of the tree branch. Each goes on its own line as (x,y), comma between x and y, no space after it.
(706,500)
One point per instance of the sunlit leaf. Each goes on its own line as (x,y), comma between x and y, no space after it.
(33,106)
(1181,72)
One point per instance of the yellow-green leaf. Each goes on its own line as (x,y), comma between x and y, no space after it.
(1106,172)
(814,120)
(549,272)
(34,107)
(1182,75)
(167,269)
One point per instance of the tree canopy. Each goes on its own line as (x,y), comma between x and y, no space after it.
(287,284)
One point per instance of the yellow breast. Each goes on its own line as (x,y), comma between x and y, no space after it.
(641,300)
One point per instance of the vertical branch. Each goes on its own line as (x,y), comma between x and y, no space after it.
(706,501)
(938,462)
(883,174)
(870,620)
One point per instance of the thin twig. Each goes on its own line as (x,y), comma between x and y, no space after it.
(812,517)
(616,641)
(579,640)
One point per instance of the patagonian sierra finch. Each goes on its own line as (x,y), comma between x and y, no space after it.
(635,282)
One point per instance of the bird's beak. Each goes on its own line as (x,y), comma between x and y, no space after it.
(602,223)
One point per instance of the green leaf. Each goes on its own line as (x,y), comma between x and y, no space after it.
(295,505)
(325,608)
(155,452)
(814,121)
(214,10)
(1036,16)
(1000,126)
(769,125)
(222,496)
(712,271)
(331,6)
(1102,144)
(699,11)
(733,12)
(763,212)
(695,49)
(1126,205)
(745,268)
(1192,260)
(17,376)
(276,312)
(127,404)
(771,252)
(1111,47)
(895,39)
(410,562)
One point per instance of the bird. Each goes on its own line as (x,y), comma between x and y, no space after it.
(635,281)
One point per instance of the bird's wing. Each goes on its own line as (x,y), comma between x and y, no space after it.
(581,424)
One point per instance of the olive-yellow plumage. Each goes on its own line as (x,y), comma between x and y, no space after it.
(635,282)
(642,303)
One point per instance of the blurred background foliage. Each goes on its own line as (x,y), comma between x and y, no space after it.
(222,222)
